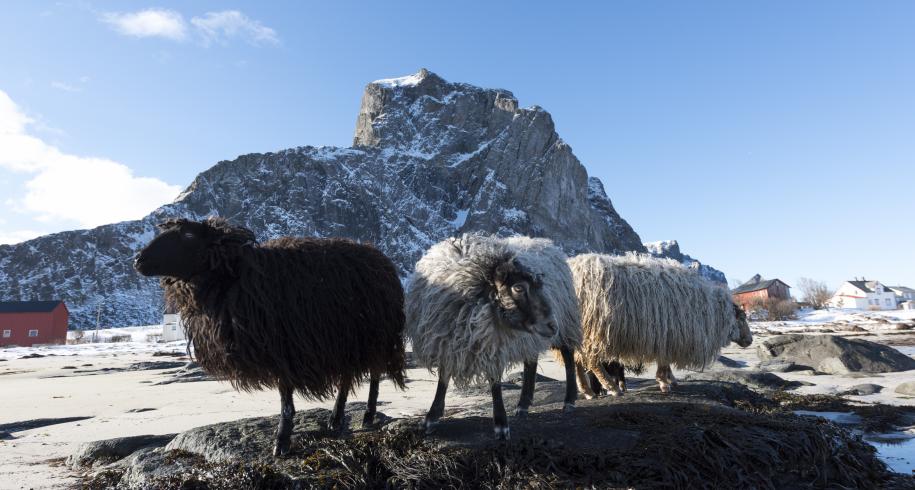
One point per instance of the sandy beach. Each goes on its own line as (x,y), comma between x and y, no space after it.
(112,388)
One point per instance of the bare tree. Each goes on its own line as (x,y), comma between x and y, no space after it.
(817,293)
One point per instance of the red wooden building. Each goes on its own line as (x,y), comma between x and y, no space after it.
(758,289)
(26,323)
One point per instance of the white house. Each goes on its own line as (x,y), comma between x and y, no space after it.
(902,293)
(863,295)
(172,328)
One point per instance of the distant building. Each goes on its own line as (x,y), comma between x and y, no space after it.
(28,323)
(907,305)
(902,293)
(863,295)
(172,328)
(757,290)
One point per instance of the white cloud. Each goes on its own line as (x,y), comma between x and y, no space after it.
(148,23)
(222,26)
(66,189)
(211,27)
(17,236)
(66,87)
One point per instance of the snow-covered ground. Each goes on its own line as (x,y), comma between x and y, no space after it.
(89,380)
(839,321)
(138,344)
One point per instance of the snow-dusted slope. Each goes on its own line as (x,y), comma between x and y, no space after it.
(430,159)
(671,249)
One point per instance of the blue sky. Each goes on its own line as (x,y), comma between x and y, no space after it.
(772,137)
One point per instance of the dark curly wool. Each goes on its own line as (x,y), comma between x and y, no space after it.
(305,312)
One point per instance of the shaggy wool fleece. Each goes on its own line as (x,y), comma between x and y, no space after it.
(637,309)
(449,314)
(303,312)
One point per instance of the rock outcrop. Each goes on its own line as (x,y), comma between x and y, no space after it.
(430,159)
(671,250)
(710,434)
(832,354)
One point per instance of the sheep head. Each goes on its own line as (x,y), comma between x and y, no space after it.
(743,336)
(185,249)
(519,302)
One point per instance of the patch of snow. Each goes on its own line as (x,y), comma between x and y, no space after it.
(514,214)
(407,81)
(460,219)
(659,247)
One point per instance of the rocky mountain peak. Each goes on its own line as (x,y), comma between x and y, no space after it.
(430,159)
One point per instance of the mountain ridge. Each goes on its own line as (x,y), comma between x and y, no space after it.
(430,159)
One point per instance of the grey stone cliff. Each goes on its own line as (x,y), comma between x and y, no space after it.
(430,159)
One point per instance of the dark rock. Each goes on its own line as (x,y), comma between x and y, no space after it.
(754,379)
(731,363)
(160,353)
(190,372)
(642,440)
(863,389)
(33,355)
(36,423)
(155,365)
(834,355)
(907,388)
(517,377)
(779,366)
(140,410)
(254,437)
(110,450)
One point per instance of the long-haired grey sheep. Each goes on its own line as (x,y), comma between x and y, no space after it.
(637,309)
(478,304)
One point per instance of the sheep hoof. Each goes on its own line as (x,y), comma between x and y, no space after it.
(335,427)
(429,425)
(521,412)
(569,407)
(614,392)
(622,387)
(665,388)
(368,420)
(503,433)
(588,396)
(281,448)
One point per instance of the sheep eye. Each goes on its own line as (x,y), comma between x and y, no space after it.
(518,289)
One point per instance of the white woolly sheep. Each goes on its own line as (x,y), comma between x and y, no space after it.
(478,304)
(637,308)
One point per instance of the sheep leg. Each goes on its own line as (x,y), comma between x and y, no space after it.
(568,359)
(500,420)
(584,383)
(284,430)
(662,376)
(374,381)
(610,385)
(336,417)
(617,374)
(438,404)
(527,389)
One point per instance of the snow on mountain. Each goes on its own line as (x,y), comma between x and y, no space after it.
(430,159)
(671,250)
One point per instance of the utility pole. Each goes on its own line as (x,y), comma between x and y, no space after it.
(98,321)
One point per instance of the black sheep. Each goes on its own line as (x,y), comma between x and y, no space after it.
(297,314)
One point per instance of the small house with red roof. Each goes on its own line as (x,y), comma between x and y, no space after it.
(27,323)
